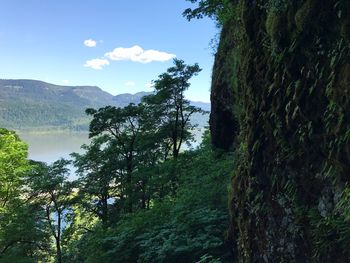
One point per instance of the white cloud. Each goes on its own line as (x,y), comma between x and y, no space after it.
(149,85)
(96,63)
(90,43)
(130,84)
(65,81)
(138,54)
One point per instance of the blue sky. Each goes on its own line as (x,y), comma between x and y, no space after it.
(130,42)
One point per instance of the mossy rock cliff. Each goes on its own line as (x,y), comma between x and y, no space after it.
(281,99)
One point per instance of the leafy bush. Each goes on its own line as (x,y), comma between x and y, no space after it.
(186,227)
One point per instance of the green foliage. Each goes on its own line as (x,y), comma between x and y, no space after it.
(139,197)
(22,234)
(185,237)
(140,190)
(52,192)
(13,164)
(169,108)
(186,228)
(277,5)
(220,10)
(129,145)
(100,178)
(331,228)
(197,218)
(119,169)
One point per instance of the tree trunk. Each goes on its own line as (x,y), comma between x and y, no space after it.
(288,70)
(175,135)
(129,188)
(105,210)
(58,239)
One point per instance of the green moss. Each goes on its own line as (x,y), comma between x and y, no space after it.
(293,95)
(274,26)
(344,79)
(345,29)
(304,15)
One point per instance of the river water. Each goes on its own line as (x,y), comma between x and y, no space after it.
(51,147)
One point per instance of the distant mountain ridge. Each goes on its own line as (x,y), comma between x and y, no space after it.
(36,105)
(125,99)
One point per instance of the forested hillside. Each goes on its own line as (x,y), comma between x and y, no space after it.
(27,104)
(31,105)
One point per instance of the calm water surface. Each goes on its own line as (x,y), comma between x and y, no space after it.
(51,147)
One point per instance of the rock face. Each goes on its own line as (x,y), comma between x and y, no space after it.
(223,125)
(282,75)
